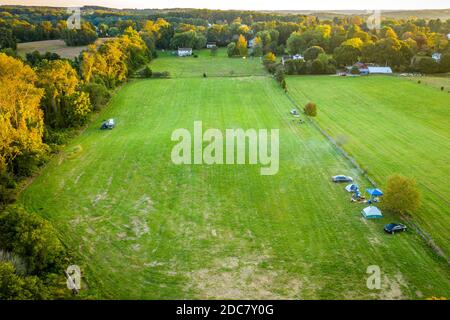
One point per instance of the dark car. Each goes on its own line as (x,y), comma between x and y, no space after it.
(394,227)
(341,178)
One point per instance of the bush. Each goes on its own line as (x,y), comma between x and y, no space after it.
(310,109)
(31,237)
(402,195)
(147,72)
(313,52)
(231,49)
(164,74)
(98,93)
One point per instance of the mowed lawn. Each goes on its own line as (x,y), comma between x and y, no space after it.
(390,125)
(213,66)
(144,228)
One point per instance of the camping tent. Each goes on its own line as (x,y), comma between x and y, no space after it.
(352,187)
(371,212)
(374,192)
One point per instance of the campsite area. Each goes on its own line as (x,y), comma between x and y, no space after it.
(144,228)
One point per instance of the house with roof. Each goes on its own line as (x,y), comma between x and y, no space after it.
(211,45)
(293,57)
(362,68)
(436,56)
(184,52)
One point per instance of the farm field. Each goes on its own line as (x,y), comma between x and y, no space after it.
(144,228)
(437,81)
(391,125)
(55,46)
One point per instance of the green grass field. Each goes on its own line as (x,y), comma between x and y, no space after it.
(391,125)
(214,66)
(143,227)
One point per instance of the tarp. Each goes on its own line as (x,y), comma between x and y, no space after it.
(374,192)
(352,187)
(371,212)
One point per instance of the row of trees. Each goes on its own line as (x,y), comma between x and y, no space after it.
(41,101)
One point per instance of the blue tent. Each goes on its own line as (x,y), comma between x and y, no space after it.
(374,192)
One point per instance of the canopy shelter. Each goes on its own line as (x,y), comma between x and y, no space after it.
(374,193)
(371,212)
(352,187)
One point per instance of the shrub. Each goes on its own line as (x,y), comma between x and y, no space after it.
(31,237)
(98,93)
(231,49)
(164,74)
(354,70)
(313,52)
(402,195)
(310,109)
(147,72)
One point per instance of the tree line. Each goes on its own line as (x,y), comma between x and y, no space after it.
(43,101)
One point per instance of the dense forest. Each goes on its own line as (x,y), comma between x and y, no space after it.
(44,99)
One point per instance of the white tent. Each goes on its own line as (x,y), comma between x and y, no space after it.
(371,212)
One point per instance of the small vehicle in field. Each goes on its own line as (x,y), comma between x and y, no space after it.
(394,227)
(108,124)
(341,178)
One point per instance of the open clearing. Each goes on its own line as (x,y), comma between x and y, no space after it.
(144,228)
(54,46)
(390,125)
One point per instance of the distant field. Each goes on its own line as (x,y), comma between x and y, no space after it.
(391,125)
(143,227)
(218,66)
(437,81)
(56,46)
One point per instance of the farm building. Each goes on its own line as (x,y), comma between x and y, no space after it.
(362,67)
(294,57)
(380,70)
(183,52)
(211,45)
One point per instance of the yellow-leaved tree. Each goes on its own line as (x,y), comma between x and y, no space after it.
(241,46)
(59,80)
(21,119)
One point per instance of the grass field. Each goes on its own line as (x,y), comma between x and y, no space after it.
(143,227)
(213,66)
(391,125)
(55,46)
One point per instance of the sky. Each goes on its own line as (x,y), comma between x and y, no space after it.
(247,4)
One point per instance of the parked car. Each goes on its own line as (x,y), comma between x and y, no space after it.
(294,112)
(341,178)
(394,227)
(107,124)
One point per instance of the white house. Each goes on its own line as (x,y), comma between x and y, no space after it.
(184,52)
(211,45)
(294,57)
(436,56)
(380,70)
